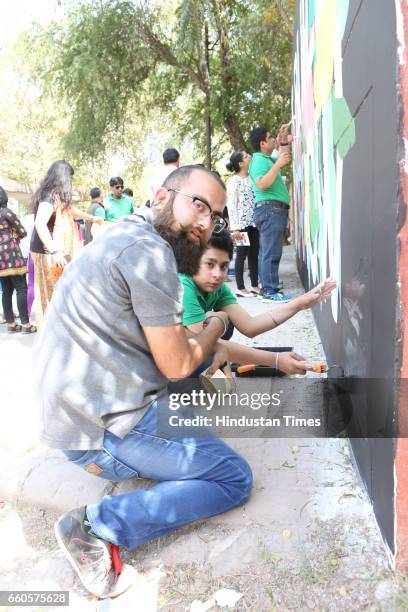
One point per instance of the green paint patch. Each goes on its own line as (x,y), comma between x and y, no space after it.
(314,210)
(342,9)
(344,132)
(312,11)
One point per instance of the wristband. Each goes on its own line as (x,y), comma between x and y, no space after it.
(216,316)
(277,361)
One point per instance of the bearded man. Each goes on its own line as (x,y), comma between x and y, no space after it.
(112,338)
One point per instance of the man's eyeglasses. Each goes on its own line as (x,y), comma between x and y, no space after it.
(204,210)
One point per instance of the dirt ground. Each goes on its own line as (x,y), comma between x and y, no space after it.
(306,540)
(333,567)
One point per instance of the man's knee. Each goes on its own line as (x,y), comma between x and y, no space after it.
(245,482)
(248,481)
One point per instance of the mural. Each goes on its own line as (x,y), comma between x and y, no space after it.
(324,132)
(349,113)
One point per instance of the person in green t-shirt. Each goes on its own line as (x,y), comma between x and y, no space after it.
(117,205)
(271,206)
(206,291)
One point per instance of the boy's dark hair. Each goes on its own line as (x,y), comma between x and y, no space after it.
(116,180)
(256,136)
(128,191)
(223,242)
(170,156)
(3,198)
(95,192)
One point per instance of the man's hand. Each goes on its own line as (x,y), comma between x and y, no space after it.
(292,363)
(220,317)
(318,294)
(283,159)
(220,357)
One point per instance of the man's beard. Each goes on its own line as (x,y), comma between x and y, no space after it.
(186,252)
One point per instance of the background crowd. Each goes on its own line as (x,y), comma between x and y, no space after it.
(34,251)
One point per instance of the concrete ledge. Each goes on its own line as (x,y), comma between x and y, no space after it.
(50,481)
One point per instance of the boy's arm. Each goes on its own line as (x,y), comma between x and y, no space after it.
(290,363)
(253,326)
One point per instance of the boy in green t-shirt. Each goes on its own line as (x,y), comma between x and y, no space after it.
(206,292)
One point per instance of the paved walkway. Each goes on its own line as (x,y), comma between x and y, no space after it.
(305,490)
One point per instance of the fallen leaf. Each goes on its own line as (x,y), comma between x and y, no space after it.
(266,556)
(295,449)
(334,562)
(286,465)
(346,495)
(200,606)
(343,591)
(277,557)
(287,533)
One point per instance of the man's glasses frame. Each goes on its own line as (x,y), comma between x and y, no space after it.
(203,209)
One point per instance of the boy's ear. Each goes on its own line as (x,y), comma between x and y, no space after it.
(161,198)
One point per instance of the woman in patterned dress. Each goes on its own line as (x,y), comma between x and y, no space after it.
(240,204)
(55,239)
(13,269)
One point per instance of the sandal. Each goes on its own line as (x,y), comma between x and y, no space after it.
(12,329)
(29,329)
(243,293)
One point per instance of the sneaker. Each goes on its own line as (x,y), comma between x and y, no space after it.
(277,298)
(96,562)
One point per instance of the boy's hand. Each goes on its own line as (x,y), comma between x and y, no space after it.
(292,363)
(318,294)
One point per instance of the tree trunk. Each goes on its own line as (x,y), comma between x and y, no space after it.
(234,133)
(207,99)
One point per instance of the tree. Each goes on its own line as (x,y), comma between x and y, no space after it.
(228,62)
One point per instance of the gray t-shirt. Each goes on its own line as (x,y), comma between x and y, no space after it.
(92,365)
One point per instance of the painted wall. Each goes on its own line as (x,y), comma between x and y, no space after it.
(346,183)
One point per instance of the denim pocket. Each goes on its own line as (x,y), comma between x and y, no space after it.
(101,463)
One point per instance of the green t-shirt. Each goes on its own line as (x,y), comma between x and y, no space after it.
(100,212)
(259,166)
(196,303)
(115,209)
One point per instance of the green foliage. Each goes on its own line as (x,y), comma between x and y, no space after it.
(112,60)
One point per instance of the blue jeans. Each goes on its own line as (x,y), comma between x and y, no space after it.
(270,219)
(199,477)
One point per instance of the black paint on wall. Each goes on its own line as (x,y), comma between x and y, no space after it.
(364,339)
